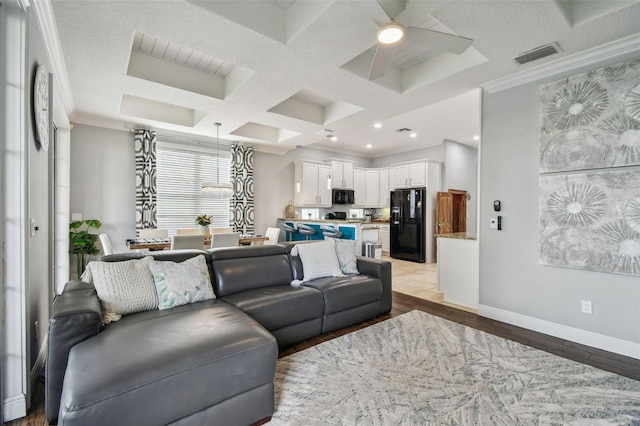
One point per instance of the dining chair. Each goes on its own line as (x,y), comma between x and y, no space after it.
(154,233)
(188,231)
(273,234)
(226,230)
(230,239)
(179,242)
(106,244)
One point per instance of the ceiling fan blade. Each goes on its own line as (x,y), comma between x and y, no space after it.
(437,40)
(380,61)
(393,7)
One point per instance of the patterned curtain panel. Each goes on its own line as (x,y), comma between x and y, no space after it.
(146,197)
(242,208)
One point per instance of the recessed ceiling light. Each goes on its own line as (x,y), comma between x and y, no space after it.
(413,135)
(369,146)
(476,138)
(377,125)
(334,138)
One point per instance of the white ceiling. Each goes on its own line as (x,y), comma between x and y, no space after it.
(277,73)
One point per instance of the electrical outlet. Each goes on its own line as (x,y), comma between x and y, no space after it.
(586,307)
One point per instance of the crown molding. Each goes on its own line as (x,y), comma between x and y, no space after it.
(44,13)
(603,52)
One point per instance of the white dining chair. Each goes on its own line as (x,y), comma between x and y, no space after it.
(226,230)
(154,233)
(106,244)
(230,239)
(179,242)
(273,234)
(187,231)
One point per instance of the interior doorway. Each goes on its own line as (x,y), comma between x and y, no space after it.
(451,212)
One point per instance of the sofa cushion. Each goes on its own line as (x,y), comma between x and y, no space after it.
(179,283)
(279,306)
(345,293)
(245,268)
(158,367)
(124,287)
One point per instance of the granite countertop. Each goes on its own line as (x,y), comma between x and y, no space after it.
(374,222)
(459,235)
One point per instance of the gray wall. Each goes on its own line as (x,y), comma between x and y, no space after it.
(103,181)
(510,277)
(39,288)
(461,172)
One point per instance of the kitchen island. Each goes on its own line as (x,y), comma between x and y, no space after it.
(351,229)
(458,269)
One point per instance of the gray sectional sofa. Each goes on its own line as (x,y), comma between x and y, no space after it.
(208,362)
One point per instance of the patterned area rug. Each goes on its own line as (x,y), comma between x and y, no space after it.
(418,369)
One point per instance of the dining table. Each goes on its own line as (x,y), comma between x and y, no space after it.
(155,244)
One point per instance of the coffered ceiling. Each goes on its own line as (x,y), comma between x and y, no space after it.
(285,73)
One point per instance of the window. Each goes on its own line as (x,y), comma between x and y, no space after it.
(181,170)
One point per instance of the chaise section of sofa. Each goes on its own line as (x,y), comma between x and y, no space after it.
(205,361)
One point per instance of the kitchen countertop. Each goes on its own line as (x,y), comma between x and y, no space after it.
(459,235)
(299,219)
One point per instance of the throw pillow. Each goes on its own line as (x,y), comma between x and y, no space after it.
(346,252)
(123,287)
(181,283)
(319,260)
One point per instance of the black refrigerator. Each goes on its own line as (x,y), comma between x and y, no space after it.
(407,233)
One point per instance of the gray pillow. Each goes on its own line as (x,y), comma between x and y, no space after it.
(123,287)
(346,252)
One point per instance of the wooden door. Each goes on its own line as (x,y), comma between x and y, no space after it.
(458,210)
(444,205)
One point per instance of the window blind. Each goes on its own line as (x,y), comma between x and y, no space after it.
(180,172)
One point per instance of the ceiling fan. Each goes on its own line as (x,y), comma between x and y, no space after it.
(394,33)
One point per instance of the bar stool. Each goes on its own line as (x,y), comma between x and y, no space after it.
(306,230)
(289,230)
(330,231)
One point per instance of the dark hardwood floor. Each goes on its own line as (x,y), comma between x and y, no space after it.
(403,303)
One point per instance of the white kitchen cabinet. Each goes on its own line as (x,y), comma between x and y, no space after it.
(409,175)
(359,186)
(383,193)
(342,175)
(312,184)
(370,234)
(372,188)
(384,234)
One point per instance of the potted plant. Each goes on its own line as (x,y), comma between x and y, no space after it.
(82,242)
(204,221)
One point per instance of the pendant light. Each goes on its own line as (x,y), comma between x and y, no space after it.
(217,189)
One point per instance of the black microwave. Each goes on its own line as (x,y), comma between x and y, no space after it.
(343,196)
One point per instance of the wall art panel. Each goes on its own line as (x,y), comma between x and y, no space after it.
(591,120)
(591,221)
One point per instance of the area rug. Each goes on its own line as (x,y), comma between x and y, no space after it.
(419,369)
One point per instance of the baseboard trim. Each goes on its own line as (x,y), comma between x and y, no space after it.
(14,407)
(600,341)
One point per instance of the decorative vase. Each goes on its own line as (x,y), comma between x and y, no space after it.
(204,230)
(290,211)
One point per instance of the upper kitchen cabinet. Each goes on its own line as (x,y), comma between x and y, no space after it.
(409,175)
(312,184)
(383,196)
(342,174)
(359,186)
(372,190)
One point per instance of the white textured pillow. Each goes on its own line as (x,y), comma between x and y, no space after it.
(124,287)
(319,260)
(346,252)
(181,283)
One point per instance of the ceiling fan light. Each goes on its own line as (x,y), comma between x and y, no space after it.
(390,33)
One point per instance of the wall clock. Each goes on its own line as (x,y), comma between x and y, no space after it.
(41,106)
